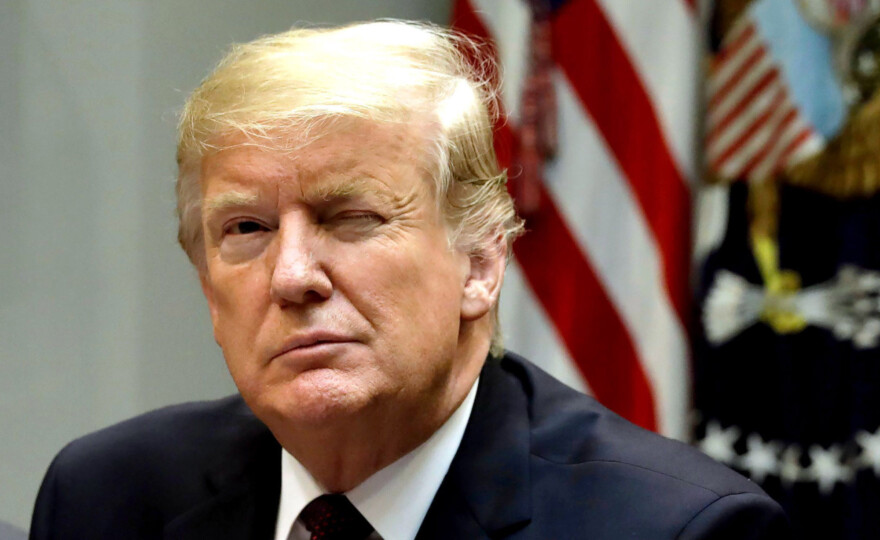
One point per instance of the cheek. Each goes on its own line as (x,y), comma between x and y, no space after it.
(239,288)
(239,298)
(414,298)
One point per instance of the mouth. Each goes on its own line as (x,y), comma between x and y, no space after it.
(311,344)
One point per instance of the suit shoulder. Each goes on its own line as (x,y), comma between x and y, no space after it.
(178,429)
(131,479)
(570,428)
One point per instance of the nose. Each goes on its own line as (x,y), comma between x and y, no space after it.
(298,276)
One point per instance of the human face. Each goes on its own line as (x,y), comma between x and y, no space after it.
(330,280)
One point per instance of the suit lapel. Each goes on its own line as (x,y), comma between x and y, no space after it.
(243,488)
(487,490)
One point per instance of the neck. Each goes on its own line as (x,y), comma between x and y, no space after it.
(347,457)
(341,453)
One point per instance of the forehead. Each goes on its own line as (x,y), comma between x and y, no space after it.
(344,159)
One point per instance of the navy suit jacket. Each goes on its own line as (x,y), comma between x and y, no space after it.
(538,460)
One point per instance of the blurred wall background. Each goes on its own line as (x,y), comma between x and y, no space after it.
(101,316)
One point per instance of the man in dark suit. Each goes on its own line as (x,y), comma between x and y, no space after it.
(341,201)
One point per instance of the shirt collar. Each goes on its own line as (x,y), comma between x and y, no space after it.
(395,499)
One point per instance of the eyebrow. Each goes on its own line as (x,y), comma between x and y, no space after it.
(230,199)
(320,193)
(347,190)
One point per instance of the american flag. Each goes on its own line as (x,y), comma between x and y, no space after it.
(753,127)
(598,289)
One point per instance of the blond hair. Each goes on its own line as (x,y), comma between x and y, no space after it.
(301,80)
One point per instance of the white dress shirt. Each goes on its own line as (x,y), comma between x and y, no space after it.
(395,499)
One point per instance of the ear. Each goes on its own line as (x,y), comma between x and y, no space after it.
(483,282)
(208,291)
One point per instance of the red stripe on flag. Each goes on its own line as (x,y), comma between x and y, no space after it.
(757,123)
(582,313)
(599,69)
(769,78)
(721,128)
(568,288)
(728,53)
(794,145)
(777,132)
(736,77)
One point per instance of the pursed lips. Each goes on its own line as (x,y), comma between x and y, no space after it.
(311,340)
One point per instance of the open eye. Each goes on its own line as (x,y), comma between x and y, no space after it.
(243,239)
(245,227)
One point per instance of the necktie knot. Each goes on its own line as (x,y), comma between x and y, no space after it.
(333,517)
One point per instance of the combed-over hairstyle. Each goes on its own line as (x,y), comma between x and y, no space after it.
(303,80)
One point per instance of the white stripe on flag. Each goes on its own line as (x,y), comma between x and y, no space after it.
(508,21)
(739,93)
(734,165)
(758,106)
(597,202)
(813,145)
(529,332)
(660,37)
(784,132)
(732,64)
(602,213)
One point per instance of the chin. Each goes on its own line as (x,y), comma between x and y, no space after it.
(314,399)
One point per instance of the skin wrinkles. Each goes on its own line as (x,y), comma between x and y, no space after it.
(342,239)
(340,190)
(336,205)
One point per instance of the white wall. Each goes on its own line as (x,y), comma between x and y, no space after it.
(100,314)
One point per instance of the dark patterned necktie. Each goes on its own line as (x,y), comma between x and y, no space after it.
(333,517)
